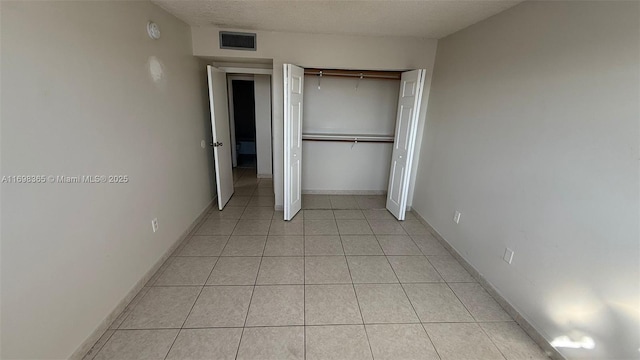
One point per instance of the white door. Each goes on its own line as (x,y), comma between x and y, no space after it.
(293,86)
(220,130)
(411,87)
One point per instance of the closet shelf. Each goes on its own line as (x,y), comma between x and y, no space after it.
(349,138)
(369,74)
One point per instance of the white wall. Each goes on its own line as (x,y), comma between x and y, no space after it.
(262,91)
(78,98)
(532,134)
(322,51)
(338,108)
(345,168)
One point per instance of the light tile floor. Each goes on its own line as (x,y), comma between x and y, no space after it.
(343,280)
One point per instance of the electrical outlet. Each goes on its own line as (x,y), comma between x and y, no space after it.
(154,224)
(508,255)
(456,217)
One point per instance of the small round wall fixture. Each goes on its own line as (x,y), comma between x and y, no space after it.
(153,30)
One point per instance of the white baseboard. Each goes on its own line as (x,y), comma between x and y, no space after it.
(264,176)
(87,347)
(344,192)
(510,309)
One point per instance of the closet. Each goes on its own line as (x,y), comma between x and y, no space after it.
(356,129)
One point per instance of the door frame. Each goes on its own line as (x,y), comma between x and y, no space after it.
(232,119)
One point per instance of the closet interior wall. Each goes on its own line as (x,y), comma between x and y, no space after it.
(337,105)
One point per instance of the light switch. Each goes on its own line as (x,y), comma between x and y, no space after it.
(508,255)
(456,217)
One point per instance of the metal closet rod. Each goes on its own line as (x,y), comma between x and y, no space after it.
(351,141)
(369,74)
(348,138)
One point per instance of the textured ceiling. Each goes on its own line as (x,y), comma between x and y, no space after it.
(419,18)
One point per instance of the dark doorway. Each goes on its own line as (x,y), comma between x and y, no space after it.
(244,113)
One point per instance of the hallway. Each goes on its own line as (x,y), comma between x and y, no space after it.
(343,280)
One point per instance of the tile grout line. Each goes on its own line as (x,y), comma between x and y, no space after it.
(195,301)
(250,298)
(312,325)
(328,283)
(190,310)
(463,304)
(466,308)
(490,339)
(173,342)
(353,286)
(413,307)
(313,255)
(159,272)
(252,292)
(474,317)
(430,339)
(304,290)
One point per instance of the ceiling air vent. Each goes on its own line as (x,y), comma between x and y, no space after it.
(237,41)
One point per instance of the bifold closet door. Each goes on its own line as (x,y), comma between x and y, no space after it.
(411,87)
(221,143)
(293,89)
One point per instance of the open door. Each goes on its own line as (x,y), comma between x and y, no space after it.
(293,88)
(220,130)
(411,87)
